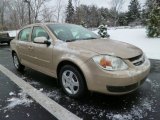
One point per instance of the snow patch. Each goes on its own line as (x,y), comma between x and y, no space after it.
(7,116)
(136,112)
(54,94)
(154,85)
(11,93)
(34,83)
(149,81)
(23,78)
(41,89)
(122,117)
(28,114)
(22,99)
(63,46)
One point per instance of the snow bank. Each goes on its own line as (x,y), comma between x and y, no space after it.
(13,33)
(137,37)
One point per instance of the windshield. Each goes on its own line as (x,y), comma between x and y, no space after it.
(70,32)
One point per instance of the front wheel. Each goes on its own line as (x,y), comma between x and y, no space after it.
(72,81)
(17,64)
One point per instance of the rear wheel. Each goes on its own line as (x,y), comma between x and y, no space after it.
(72,81)
(17,64)
(8,43)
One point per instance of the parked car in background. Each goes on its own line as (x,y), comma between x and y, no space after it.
(5,38)
(80,59)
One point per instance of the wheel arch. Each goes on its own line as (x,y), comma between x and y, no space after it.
(13,51)
(67,62)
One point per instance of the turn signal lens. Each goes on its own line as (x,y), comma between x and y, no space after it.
(104,62)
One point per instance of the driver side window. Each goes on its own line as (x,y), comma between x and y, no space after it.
(39,32)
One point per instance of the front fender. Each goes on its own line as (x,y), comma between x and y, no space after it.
(79,61)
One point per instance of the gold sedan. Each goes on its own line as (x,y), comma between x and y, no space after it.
(80,59)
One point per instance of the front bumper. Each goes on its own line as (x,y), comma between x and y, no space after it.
(115,82)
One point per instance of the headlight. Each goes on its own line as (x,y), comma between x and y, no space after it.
(110,62)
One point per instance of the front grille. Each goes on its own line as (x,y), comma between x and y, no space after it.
(138,60)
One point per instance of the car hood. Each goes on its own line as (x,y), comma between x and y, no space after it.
(110,47)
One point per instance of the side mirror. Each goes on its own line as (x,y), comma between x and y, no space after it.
(42,40)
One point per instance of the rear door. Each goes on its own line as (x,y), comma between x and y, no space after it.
(23,44)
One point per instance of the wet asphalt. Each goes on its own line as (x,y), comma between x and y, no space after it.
(142,104)
(32,111)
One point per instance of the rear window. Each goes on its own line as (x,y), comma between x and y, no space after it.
(24,34)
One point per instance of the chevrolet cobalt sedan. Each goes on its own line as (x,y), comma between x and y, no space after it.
(80,59)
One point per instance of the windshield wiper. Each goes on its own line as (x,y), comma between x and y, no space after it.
(70,40)
(90,38)
(80,39)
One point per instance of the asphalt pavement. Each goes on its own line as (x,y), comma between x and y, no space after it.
(142,104)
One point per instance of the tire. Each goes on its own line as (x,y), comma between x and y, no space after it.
(17,64)
(72,81)
(8,43)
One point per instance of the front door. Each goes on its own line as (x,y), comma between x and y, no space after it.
(42,53)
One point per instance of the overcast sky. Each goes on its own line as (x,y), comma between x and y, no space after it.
(99,3)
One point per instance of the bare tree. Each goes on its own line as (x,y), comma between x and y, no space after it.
(36,7)
(63,14)
(55,13)
(48,14)
(18,12)
(3,5)
(115,9)
(58,9)
(76,8)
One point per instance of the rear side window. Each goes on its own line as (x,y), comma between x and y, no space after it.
(24,34)
(39,32)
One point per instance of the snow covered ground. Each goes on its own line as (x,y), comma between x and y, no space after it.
(137,37)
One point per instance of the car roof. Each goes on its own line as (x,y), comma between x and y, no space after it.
(42,24)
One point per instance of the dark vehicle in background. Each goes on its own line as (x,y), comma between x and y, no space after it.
(5,38)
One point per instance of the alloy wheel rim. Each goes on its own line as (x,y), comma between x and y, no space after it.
(70,82)
(16,63)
